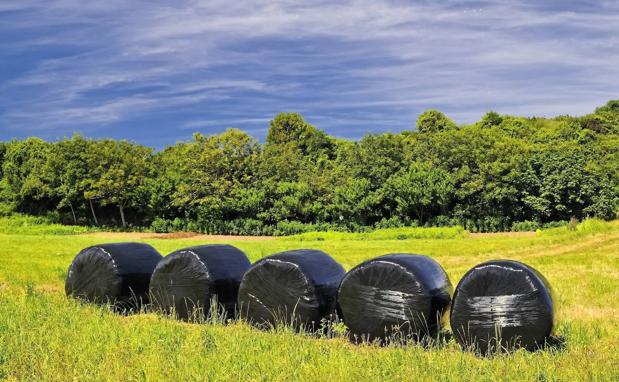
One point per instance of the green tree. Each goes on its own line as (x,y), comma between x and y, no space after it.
(491,119)
(420,189)
(290,201)
(486,175)
(168,164)
(357,202)
(605,119)
(560,184)
(213,173)
(3,148)
(291,128)
(27,177)
(125,170)
(68,165)
(432,121)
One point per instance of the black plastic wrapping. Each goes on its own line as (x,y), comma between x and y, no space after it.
(295,288)
(395,296)
(186,281)
(503,304)
(117,273)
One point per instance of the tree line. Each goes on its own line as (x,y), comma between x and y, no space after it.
(488,176)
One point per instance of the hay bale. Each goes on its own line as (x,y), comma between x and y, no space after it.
(294,288)
(117,274)
(186,281)
(396,297)
(504,304)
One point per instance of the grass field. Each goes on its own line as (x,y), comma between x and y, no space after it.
(45,336)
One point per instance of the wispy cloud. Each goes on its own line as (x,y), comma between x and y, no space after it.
(350,67)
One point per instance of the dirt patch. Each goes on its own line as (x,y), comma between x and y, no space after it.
(175,235)
(502,234)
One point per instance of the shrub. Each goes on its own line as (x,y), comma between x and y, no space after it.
(555,224)
(526,225)
(178,224)
(392,222)
(160,225)
(493,224)
(442,221)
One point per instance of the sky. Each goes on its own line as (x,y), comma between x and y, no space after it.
(157,71)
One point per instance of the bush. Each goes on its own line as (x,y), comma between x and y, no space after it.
(179,224)
(6,209)
(493,224)
(442,221)
(160,225)
(255,227)
(555,224)
(291,227)
(526,225)
(392,222)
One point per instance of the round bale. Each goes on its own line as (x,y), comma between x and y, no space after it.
(394,297)
(117,274)
(502,304)
(185,282)
(295,288)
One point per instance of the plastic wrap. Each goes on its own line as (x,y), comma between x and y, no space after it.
(117,273)
(186,281)
(295,288)
(503,304)
(396,296)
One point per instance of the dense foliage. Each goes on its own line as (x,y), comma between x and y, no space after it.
(500,173)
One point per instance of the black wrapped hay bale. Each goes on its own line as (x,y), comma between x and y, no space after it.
(394,297)
(502,304)
(186,281)
(117,273)
(295,288)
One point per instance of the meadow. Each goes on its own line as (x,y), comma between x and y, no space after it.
(46,336)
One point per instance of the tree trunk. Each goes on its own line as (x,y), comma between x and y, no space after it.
(92,209)
(73,213)
(122,214)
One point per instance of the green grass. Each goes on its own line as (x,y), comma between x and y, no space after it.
(404,233)
(586,227)
(32,225)
(45,336)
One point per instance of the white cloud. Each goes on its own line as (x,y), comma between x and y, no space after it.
(240,62)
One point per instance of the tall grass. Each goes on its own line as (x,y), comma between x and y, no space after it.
(405,233)
(585,227)
(36,225)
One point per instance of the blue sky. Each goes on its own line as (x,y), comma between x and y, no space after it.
(157,71)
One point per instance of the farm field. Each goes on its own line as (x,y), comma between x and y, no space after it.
(45,336)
